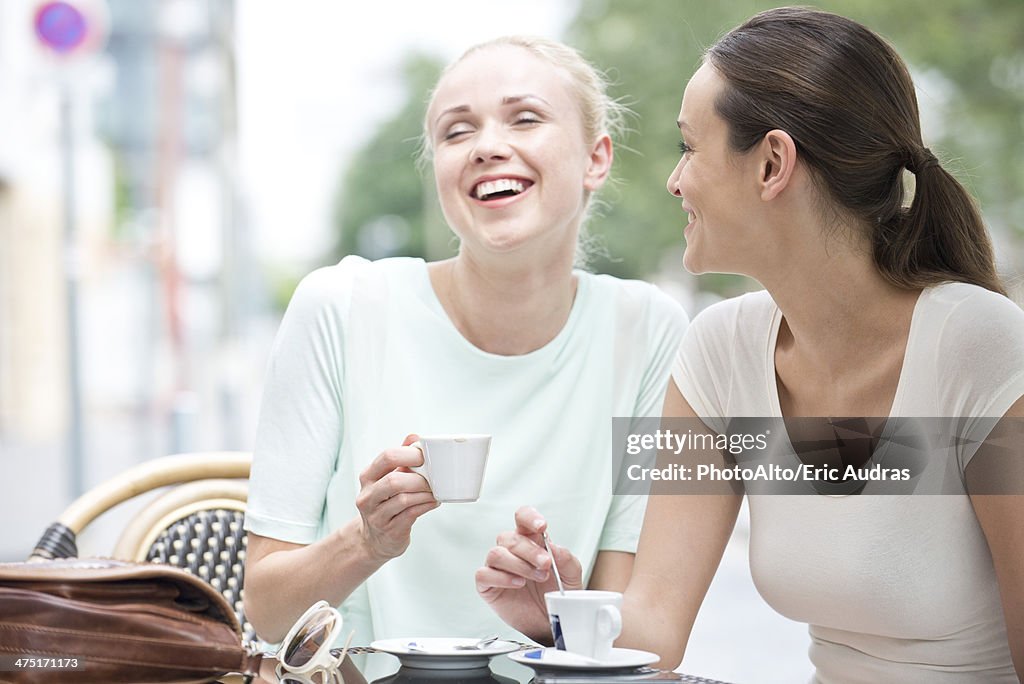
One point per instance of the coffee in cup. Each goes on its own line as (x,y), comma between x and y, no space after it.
(584,621)
(454,465)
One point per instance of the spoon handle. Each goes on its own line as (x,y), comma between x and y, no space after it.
(554,567)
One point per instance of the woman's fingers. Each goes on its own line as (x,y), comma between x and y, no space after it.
(399,508)
(390,486)
(387,527)
(408,515)
(569,568)
(530,521)
(530,549)
(490,581)
(506,559)
(388,461)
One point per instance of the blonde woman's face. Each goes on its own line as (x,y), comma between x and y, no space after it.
(510,160)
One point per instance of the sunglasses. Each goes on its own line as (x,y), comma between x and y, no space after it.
(305,656)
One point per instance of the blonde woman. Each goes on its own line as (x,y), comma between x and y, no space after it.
(506,338)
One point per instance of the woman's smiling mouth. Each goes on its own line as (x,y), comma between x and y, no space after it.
(690,216)
(491,189)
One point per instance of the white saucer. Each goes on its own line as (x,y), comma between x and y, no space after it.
(554,659)
(440,653)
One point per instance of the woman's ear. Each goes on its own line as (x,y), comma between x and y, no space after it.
(600,164)
(778,160)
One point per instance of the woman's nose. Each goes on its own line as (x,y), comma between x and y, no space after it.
(490,146)
(673,181)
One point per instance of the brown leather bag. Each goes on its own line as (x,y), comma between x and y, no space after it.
(82,620)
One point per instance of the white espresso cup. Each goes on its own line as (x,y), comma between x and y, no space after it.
(454,465)
(584,621)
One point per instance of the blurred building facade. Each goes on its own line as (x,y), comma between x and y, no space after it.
(33,363)
(164,279)
(170,122)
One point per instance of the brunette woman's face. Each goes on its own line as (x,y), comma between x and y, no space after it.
(714,183)
(510,160)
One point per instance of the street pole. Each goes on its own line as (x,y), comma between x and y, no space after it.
(72,276)
(71,29)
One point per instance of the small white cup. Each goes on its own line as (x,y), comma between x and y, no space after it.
(454,465)
(584,621)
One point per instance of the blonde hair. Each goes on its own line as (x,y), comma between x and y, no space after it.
(599,112)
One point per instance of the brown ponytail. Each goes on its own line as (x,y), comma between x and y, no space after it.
(940,237)
(848,102)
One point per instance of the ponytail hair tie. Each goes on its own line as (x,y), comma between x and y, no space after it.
(920,160)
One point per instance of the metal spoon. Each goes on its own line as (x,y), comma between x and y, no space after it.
(479,645)
(554,568)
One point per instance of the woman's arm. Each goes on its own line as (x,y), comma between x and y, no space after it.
(996,479)
(283,579)
(612,570)
(681,545)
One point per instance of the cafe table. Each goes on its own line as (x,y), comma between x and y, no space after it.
(502,670)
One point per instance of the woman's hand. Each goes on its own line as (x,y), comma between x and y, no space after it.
(391,498)
(517,573)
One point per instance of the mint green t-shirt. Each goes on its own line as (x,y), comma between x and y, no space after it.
(366,355)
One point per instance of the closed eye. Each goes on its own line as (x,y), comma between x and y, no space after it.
(454,132)
(528,118)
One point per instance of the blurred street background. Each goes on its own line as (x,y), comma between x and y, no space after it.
(172,169)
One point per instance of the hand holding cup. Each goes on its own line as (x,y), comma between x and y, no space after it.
(391,498)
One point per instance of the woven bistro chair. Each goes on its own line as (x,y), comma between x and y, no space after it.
(197,524)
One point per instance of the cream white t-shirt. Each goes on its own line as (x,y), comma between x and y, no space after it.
(366,355)
(895,588)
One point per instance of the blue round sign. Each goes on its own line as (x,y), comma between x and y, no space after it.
(61,26)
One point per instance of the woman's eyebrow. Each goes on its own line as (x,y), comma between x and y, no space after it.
(516,99)
(457,109)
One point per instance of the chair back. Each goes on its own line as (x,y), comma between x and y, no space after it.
(196,525)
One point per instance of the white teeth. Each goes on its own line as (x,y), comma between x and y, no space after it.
(487,188)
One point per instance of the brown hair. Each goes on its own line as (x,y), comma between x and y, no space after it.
(847,100)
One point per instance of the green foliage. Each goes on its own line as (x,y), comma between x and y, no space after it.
(978,46)
(281,285)
(385,206)
(123,207)
(651,47)
(967,57)
(649,50)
